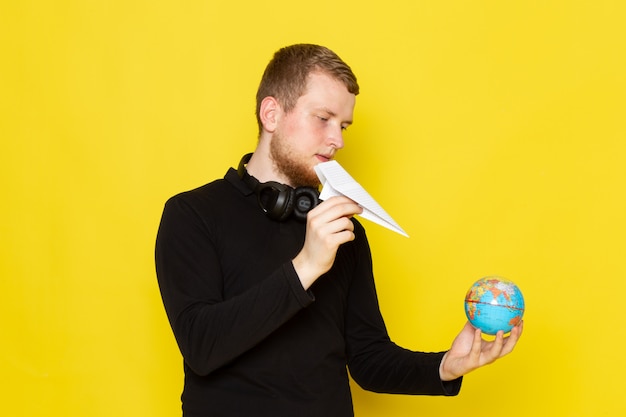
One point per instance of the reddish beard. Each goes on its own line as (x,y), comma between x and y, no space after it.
(297,172)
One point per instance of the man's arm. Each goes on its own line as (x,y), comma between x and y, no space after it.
(210,330)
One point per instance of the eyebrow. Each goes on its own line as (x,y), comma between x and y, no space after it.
(332,113)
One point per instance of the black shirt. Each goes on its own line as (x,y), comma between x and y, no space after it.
(254,342)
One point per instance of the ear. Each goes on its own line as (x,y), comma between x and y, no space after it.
(269,113)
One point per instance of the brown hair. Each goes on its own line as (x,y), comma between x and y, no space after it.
(285,77)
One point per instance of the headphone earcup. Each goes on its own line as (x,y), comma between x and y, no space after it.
(279,201)
(305,198)
(276,199)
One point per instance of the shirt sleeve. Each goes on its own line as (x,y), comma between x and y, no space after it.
(212,331)
(375,362)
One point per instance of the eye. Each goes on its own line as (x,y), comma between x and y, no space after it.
(323,119)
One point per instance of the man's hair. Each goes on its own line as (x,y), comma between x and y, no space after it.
(285,77)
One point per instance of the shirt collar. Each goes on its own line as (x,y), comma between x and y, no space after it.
(235,180)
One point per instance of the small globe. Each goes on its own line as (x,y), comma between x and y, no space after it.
(493,304)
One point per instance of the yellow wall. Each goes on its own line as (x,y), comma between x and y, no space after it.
(492,131)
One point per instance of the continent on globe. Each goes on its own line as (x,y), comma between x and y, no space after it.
(494,303)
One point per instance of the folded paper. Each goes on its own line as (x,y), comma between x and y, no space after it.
(336,181)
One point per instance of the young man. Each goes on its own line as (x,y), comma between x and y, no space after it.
(271,295)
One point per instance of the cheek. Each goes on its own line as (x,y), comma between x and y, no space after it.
(293,127)
(304,129)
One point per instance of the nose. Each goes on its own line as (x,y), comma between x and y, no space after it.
(335,137)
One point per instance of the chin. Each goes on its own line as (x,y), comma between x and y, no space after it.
(307,178)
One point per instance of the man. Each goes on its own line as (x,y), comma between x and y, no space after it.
(271,295)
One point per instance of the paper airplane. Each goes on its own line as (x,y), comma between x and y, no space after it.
(336,181)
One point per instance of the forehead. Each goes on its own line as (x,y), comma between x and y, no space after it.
(322,90)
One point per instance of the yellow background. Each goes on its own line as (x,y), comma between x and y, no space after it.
(492,131)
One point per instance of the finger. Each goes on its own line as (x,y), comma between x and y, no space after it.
(512,339)
(333,226)
(338,206)
(498,343)
(339,198)
(494,348)
(329,214)
(477,345)
(341,237)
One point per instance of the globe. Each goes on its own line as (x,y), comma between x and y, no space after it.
(494,303)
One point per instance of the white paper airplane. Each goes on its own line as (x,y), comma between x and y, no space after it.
(336,181)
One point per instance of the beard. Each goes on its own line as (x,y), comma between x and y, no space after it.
(296,171)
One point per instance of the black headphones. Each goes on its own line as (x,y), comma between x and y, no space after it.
(279,201)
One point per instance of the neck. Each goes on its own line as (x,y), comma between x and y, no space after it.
(261,166)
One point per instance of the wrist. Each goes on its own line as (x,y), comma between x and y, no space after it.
(305,274)
(443,374)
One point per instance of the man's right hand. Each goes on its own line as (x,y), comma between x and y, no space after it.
(328,226)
